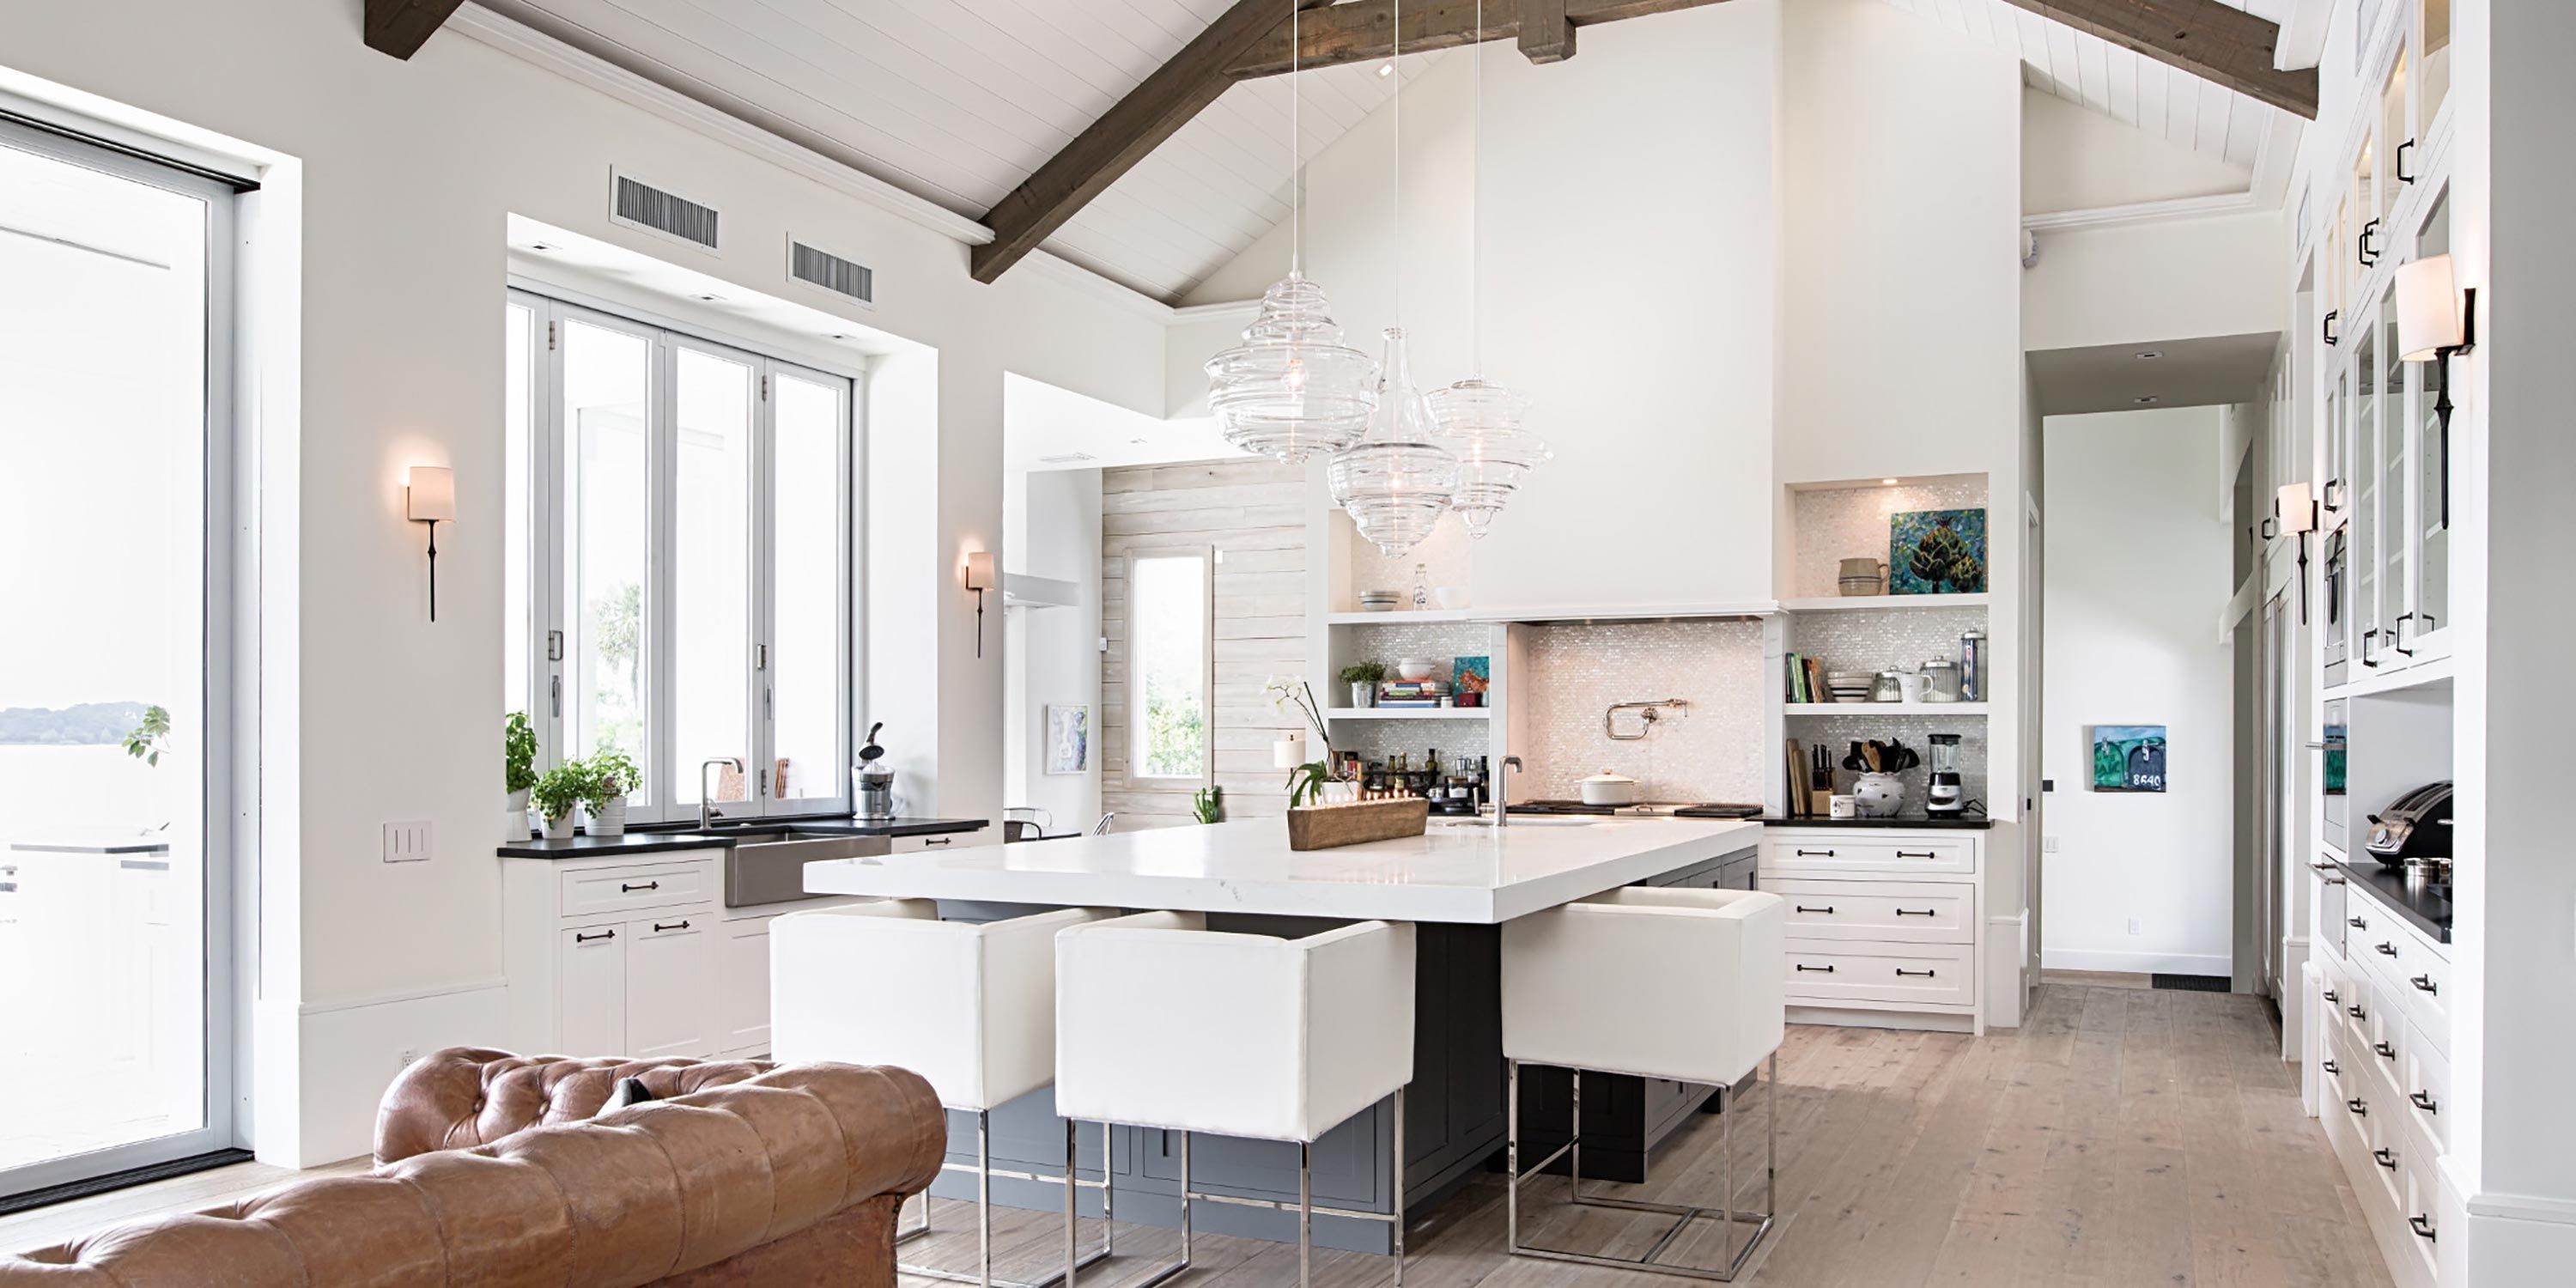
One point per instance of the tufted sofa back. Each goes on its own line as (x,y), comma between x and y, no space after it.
(467,1096)
(784,1176)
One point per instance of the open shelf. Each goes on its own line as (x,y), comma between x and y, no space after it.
(1864,603)
(1409,713)
(1398,617)
(1885,708)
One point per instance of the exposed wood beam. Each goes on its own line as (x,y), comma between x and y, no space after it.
(2228,46)
(401,27)
(1125,134)
(1364,29)
(1545,33)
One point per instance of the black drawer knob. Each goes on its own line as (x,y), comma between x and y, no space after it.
(2424,982)
(1825,969)
(1901,973)
(1828,909)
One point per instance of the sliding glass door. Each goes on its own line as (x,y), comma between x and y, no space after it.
(115,724)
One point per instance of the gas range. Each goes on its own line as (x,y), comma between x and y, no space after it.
(1650,809)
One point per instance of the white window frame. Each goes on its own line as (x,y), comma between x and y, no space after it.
(670,788)
(1136,694)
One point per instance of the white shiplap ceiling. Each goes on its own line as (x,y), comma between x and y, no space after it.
(957,101)
(2175,105)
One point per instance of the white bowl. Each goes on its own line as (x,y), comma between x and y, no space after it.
(1414,670)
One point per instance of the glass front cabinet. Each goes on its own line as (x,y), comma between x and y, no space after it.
(2386,488)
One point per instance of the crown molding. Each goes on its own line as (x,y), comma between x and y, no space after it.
(2144,212)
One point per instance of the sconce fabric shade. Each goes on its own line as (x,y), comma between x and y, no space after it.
(2428,309)
(2298,508)
(430,494)
(979,570)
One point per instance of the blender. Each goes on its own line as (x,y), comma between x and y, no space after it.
(1942,796)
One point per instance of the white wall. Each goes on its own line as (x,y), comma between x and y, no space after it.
(2076,157)
(409,172)
(2171,279)
(1053,654)
(2137,582)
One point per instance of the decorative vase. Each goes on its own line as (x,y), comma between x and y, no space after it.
(1363,695)
(1879,795)
(559,829)
(609,819)
(514,816)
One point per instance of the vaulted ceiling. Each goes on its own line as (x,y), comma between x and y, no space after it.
(960,101)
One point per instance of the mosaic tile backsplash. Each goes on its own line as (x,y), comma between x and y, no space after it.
(1837,732)
(1442,642)
(1712,752)
(1851,523)
(1886,641)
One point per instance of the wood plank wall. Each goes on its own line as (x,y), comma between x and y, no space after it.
(1253,514)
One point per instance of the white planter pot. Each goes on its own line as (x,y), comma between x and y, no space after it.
(609,819)
(559,829)
(1363,695)
(514,817)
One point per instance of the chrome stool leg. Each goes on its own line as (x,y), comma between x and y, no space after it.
(984,1172)
(1303,1209)
(1724,1213)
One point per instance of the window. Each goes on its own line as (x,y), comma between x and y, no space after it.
(680,560)
(1169,622)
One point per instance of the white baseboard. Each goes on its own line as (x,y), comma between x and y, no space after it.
(2516,1241)
(2135,963)
(349,1051)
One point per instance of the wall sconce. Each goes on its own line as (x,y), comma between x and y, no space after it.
(2294,513)
(429,496)
(979,578)
(2436,319)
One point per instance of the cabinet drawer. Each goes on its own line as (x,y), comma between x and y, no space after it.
(945,841)
(1789,855)
(2425,1080)
(648,885)
(1898,976)
(2411,976)
(1888,911)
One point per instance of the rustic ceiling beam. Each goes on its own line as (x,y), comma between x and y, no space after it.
(1124,135)
(1546,34)
(401,27)
(1364,29)
(2227,46)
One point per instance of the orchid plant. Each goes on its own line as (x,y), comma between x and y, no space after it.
(1306,781)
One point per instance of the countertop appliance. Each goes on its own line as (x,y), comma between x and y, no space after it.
(874,779)
(2416,825)
(1942,796)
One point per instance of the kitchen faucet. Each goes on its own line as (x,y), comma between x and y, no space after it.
(1502,799)
(707,811)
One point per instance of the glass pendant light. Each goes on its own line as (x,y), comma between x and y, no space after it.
(1397,482)
(1483,423)
(1292,388)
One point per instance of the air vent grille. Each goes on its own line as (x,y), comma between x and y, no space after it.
(640,205)
(831,272)
(1067,458)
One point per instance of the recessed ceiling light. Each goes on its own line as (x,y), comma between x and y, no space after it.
(707,297)
(541,246)
(1135,440)
(2150,355)
(2143,399)
(1887,482)
(1386,69)
(838,335)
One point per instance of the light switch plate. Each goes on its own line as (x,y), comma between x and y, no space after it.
(407,842)
(2048,845)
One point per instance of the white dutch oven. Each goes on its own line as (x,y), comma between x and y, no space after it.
(1606,788)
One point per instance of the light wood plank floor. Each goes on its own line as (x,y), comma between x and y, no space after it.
(2123,1137)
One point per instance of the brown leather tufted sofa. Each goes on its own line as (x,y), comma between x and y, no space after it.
(491,1173)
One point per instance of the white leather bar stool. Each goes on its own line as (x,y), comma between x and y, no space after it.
(968,1006)
(1659,983)
(1286,1039)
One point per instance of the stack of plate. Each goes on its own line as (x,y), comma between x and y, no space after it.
(1379,601)
(1849,686)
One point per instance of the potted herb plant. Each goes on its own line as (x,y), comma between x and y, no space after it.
(612,775)
(557,794)
(1318,781)
(518,773)
(1363,677)
(1207,804)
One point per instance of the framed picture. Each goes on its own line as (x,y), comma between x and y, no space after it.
(1068,738)
(2128,758)
(1936,552)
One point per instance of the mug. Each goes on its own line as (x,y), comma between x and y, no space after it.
(1845,807)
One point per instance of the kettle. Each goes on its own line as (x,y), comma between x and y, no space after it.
(874,779)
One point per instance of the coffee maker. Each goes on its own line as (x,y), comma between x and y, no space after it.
(1942,795)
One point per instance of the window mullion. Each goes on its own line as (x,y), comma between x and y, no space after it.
(761,601)
(548,522)
(660,627)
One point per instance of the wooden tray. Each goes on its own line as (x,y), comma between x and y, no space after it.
(1322,827)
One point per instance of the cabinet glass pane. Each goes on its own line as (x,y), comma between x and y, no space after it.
(2394,134)
(2365,204)
(2364,410)
(2393,501)
(519,327)
(608,545)
(2433,456)
(2436,80)
(711,566)
(805,692)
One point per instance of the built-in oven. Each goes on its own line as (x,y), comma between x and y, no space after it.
(2334,744)
(2338,604)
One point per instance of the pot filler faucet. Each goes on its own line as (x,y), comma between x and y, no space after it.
(707,811)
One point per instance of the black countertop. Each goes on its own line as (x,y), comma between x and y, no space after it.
(635,842)
(2430,913)
(1907,822)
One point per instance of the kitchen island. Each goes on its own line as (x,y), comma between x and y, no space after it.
(1458,882)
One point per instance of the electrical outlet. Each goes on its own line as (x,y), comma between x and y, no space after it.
(407,842)
(403,1058)
(2048,845)
(2133,925)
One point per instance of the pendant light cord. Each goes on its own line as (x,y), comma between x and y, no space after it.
(1296,159)
(1395,172)
(1476,207)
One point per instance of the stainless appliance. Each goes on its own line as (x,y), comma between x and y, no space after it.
(2416,825)
(1942,796)
(2334,746)
(874,780)
(1972,665)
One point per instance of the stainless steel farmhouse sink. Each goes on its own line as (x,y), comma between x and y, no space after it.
(769,867)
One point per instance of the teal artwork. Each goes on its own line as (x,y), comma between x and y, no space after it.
(1936,552)
(2128,758)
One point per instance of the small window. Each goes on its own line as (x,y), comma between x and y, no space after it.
(1169,621)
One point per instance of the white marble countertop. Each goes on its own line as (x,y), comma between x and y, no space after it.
(1472,874)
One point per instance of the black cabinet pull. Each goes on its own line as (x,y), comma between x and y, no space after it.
(1909,912)
(1901,973)
(1815,854)
(2423,1100)
(1828,909)
(2361,244)
(2330,1067)
(2356,923)
(2386,1052)
(659,928)
(2384,1158)
(2422,1226)
(2332,339)
(630,889)
(2397,637)
(2424,982)
(2386,950)
(2366,637)
(2402,148)
(936,840)
(1910,854)
(2356,1012)
(2359,1109)
(580,938)
(2331,998)
(1825,969)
